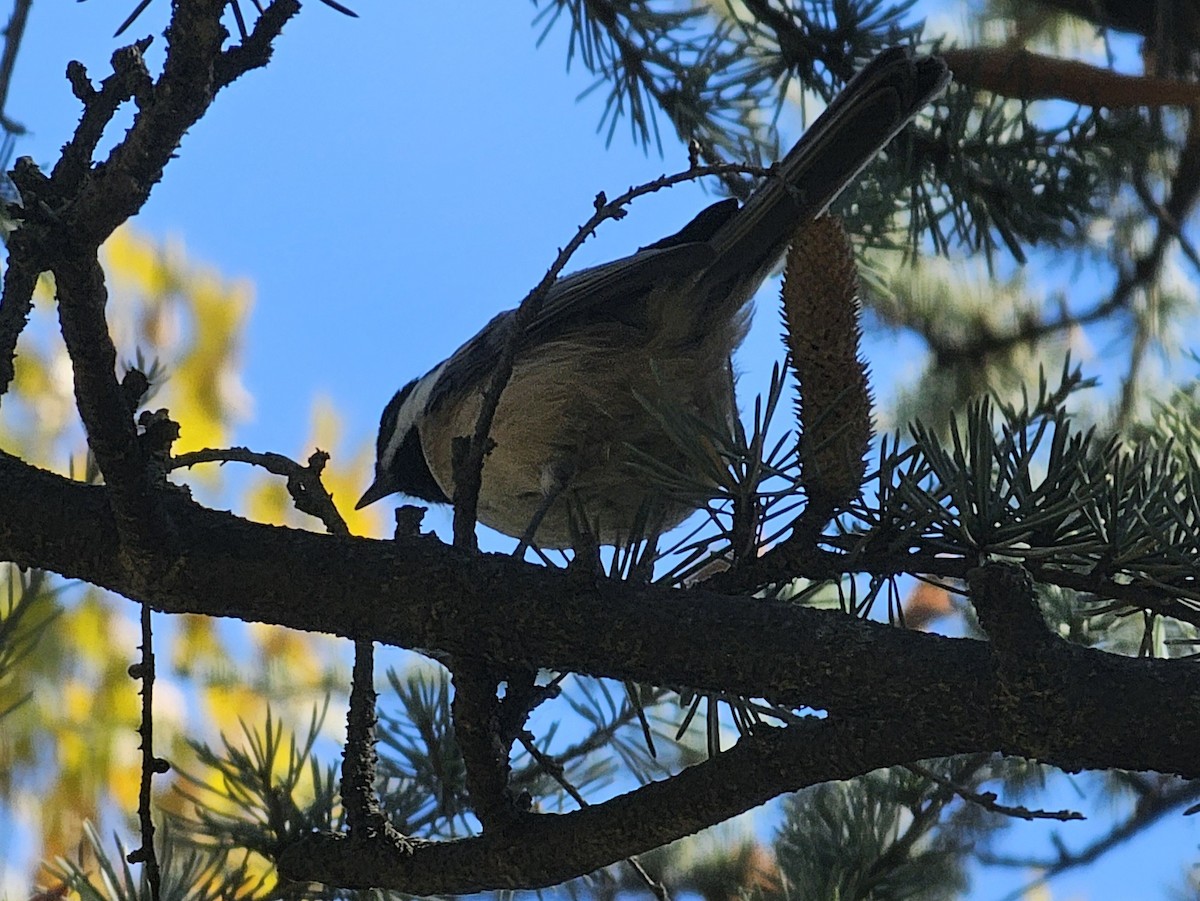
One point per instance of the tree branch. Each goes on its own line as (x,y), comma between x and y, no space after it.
(1091,709)
(67,215)
(97,199)
(990,802)
(1148,812)
(1020,74)
(476,712)
(141,520)
(255,51)
(20,278)
(14,31)
(546,849)
(130,78)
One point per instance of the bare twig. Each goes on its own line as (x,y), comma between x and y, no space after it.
(477,712)
(144,670)
(303,482)
(602,735)
(1148,812)
(990,801)
(555,771)
(365,819)
(13,33)
(469,467)
(550,767)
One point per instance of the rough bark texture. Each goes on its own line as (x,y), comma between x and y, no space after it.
(892,696)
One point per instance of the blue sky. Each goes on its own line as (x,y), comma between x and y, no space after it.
(388,184)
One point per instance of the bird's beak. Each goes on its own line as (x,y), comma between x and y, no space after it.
(379,489)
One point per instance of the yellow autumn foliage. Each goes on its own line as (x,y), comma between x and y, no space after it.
(191,319)
(344,477)
(184,322)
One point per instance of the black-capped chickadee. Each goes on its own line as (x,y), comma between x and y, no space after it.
(615,342)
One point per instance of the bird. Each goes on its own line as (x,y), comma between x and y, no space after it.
(613,343)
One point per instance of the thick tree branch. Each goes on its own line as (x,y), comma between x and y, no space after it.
(546,849)
(191,77)
(1094,710)
(112,436)
(485,752)
(67,215)
(421,593)
(893,696)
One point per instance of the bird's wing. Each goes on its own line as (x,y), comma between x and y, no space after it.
(615,292)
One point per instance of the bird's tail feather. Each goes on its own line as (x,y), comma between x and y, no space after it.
(876,104)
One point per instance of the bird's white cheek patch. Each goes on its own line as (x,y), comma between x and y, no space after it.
(410,412)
